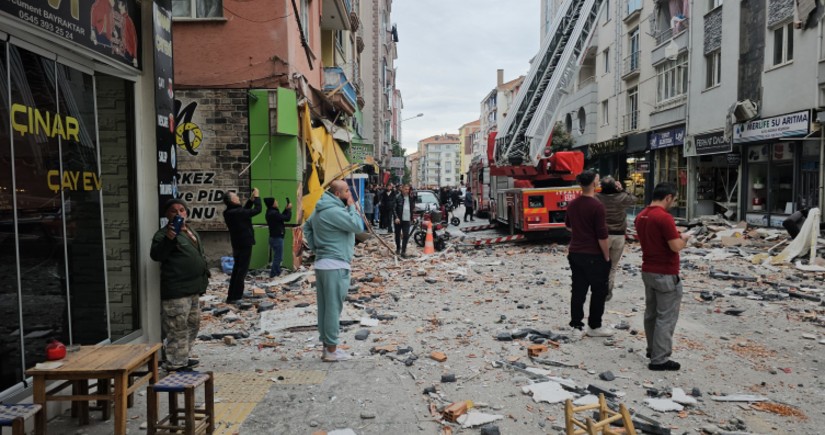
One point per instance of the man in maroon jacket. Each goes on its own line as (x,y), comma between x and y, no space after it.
(589,258)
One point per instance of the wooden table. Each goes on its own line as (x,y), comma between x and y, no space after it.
(120,363)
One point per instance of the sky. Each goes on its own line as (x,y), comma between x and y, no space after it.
(448,54)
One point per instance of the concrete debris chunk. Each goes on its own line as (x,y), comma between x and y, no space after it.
(475,419)
(362,334)
(740,398)
(366,321)
(550,392)
(346,431)
(678,395)
(663,405)
(589,399)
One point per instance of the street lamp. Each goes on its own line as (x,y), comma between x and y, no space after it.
(413,117)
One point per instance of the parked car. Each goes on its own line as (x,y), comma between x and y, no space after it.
(426,200)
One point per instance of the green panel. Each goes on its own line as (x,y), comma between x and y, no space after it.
(287,112)
(261,168)
(259,112)
(285,158)
(260,250)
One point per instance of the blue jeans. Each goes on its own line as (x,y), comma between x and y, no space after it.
(277,245)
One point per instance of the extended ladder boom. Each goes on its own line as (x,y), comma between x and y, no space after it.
(528,126)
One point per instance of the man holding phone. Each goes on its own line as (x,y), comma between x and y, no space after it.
(276,220)
(330,233)
(239,221)
(661,243)
(184,276)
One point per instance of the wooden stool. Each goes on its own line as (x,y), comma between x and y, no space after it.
(606,416)
(14,416)
(189,420)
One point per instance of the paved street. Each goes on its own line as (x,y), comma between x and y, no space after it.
(459,302)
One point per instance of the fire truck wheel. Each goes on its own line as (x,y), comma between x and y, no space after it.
(455,221)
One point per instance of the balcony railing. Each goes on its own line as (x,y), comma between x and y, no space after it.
(633,6)
(631,64)
(336,79)
(677,26)
(630,121)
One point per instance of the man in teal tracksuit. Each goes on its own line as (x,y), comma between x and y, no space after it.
(330,233)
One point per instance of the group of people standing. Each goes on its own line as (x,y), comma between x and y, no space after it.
(598,225)
(392,207)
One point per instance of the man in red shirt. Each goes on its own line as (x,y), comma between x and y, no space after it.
(661,243)
(589,258)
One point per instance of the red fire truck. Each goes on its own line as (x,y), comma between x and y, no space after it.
(534,199)
(479,184)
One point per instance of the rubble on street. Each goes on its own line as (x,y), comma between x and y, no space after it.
(475,341)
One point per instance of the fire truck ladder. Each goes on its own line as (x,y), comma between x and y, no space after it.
(527,129)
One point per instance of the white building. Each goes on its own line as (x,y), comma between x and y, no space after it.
(440,162)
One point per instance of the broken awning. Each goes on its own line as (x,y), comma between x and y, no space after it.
(329,163)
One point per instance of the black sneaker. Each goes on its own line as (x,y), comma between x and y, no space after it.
(669,365)
(193,363)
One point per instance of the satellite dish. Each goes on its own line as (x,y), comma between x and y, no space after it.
(672,50)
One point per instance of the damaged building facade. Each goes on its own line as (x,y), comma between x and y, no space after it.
(724,100)
(254,83)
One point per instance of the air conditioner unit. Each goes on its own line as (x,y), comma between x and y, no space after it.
(745,110)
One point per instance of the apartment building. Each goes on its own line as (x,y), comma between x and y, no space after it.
(246,110)
(767,162)
(382,111)
(469,135)
(414,163)
(440,162)
(703,98)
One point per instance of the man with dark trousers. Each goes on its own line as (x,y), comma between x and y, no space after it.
(589,258)
(661,243)
(275,220)
(239,221)
(402,216)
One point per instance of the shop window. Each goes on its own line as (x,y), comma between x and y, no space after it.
(198,9)
(713,68)
(671,167)
(53,265)
(783,44)
(770,183)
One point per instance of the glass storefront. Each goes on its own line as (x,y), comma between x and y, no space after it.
(638,172)
(64,274)
(717,189)
(671,167)
(781,178)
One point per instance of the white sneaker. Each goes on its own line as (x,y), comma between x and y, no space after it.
(576,334)
(604,331)
(338,355)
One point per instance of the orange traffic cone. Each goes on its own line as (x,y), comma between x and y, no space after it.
(429,247)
